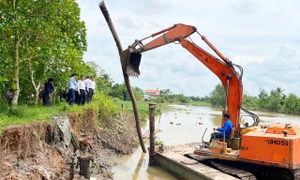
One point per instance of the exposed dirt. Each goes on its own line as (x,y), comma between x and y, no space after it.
(29,151)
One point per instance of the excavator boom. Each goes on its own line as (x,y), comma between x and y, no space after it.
(222,68)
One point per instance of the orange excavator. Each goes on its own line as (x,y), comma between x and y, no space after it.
(273,151)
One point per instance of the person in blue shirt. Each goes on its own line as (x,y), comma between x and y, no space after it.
(72,85)
(226,129)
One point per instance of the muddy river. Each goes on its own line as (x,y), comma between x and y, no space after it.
(182,124)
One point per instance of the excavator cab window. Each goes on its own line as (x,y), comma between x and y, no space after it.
(131,62)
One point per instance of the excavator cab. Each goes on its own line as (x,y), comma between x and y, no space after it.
(131,62)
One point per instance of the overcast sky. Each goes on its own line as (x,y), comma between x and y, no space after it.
(263,36)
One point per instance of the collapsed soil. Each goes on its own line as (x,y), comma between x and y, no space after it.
(29,152)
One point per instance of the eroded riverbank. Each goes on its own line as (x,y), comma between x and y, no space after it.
(40,150)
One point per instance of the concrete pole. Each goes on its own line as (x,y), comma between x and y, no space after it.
(152,133)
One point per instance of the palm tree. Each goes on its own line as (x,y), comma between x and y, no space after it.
(280,91)
(107,79)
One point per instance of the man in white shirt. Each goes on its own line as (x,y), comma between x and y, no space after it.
(81,91)
(87,84)
(91,89)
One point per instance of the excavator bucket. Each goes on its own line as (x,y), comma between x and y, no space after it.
(131,62)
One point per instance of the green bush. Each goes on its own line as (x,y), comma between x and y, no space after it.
(143,109)
(105,106)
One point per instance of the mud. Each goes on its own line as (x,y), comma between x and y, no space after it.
(30,151)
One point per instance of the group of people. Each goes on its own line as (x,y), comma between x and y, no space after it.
(77,92)
(81,91)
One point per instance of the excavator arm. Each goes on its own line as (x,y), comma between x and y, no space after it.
(223,68)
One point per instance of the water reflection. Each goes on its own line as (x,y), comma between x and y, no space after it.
(185,124)
(216,120)
(268,118)
(136,167)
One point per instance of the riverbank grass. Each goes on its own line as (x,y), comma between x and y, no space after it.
(107,107)
(23,114)
(143,108)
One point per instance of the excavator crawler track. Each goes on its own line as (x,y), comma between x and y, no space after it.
(296,174)
(247,171)
(231,170)
(226,167)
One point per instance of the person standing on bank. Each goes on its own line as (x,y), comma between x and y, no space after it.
(77,95)
(47,91)
(9,96)
(87,82)
(91,88)
(72,85)
(81,90)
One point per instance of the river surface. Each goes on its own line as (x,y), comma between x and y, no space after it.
(182,124)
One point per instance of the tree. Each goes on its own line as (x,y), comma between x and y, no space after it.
(274,101)
(279,91)
(193,98)
(250,101)
(217,96)
(107,80)
(263,99)
(205,99)
(119,91)
(37,36)
(165,92)
(99,71)
(138,93)
(104,82)
(183,99)
(291,104)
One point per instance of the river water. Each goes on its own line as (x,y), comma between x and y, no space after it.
(182,124)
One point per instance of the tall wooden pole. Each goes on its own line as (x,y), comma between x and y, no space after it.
(126,78)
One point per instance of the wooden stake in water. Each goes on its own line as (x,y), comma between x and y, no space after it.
(152,133)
